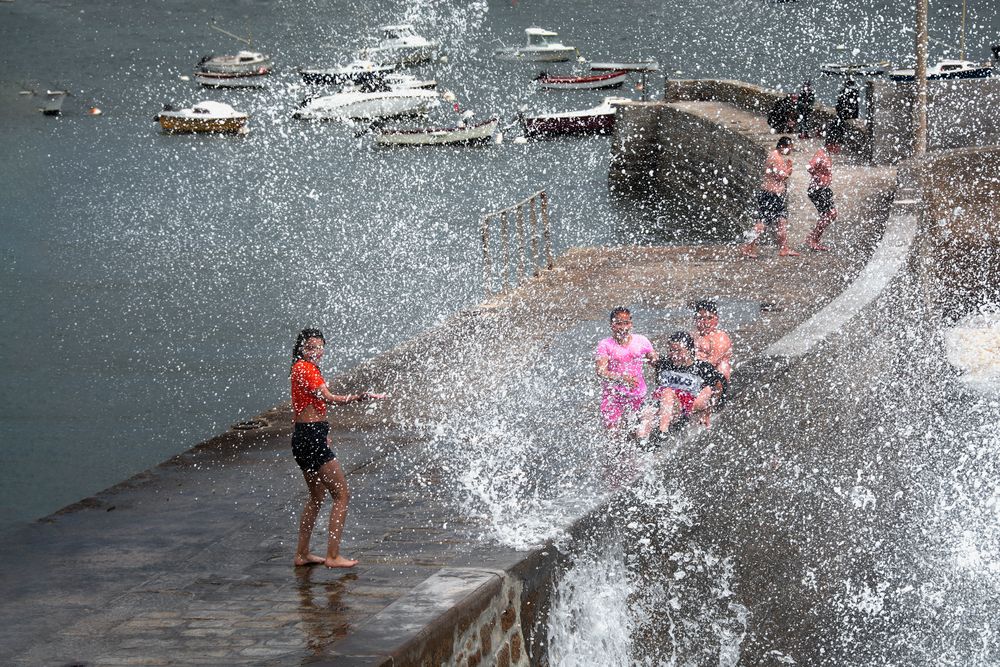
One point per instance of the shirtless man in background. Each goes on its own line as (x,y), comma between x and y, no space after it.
(771,200)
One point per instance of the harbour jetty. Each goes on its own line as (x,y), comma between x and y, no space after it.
(190,562)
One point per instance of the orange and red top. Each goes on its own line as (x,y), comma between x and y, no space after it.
(306,381)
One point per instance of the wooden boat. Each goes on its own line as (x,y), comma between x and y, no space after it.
(242,61)
(360,105)
(400,45)
(250,79)
(538,48)
(613,79)
(436,136)
(946,70)
(598,120)
(853,69)
(208,116)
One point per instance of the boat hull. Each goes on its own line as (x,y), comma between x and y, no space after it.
(908,75)
(598,123)
(180,125)
(218,80)
(537,55)
(593,82)
(439,136)
(400,56)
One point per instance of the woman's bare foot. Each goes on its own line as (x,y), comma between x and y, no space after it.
(818,247)
(787,252)
(339,561)
(309,559)
(747,251)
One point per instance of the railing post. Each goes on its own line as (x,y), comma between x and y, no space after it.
(487,269)
(546,232)
(521,251)
(534,238)
(505,251)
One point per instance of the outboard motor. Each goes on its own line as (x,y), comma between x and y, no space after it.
(996,53)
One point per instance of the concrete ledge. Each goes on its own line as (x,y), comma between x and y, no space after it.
(889,257)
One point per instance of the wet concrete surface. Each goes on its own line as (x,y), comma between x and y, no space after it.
(190,562)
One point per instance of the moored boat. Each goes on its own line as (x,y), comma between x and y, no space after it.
(356,71)
(945,70)
(242,61)
(539,47)
(358,105)
(249,79)
(207,116)
(612,79)
(853,69)
(436,136)
(599,120)
(400,45)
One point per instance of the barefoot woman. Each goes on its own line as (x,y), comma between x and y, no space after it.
(311,448)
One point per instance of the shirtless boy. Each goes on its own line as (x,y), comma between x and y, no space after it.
(771,200)
(620,366)
(711,343)
(820,177)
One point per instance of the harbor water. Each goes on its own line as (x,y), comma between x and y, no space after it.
(152,285)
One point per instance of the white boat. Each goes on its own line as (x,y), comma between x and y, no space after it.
(358,105)
(242,61)
(53,102)
(355,71)
(207,116)
(251,79)
(400,45)
(538,49)
(436,136)
(946,69)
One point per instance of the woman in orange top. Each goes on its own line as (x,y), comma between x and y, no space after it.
(311,448)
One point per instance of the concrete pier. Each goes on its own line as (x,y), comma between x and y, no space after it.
(190,562)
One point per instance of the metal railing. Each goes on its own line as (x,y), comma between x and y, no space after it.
(515,235)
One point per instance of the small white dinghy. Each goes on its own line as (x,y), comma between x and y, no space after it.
(208,116)
(539,48)
(438,136)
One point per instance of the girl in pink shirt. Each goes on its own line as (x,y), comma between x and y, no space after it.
(620,366)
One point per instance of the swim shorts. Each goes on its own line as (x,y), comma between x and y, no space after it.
(309,445)
(771,207)
(822,199)
(615,407)
(684,398)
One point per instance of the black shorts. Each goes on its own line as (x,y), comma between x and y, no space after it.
(822,199)
(771,207)
(309,445)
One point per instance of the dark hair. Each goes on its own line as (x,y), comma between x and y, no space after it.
(683,337)
(301,339)
(784,142)
(618,311)
(706,304)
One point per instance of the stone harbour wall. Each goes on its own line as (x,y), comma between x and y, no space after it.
(698,171)
(495,636)
(959,241)
(960,114)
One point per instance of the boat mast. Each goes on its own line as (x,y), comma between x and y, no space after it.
(961,48)
(246,40)
(920,110)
